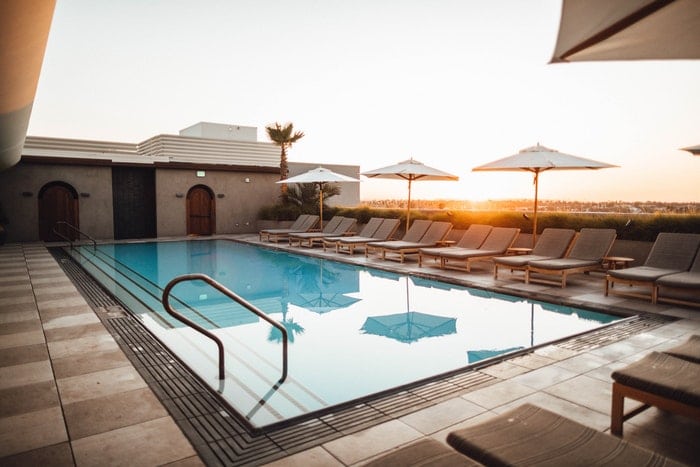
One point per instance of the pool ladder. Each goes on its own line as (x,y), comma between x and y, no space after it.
(233,296)
(70,226)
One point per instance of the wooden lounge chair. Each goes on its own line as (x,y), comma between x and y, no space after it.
(685,285)
(553,243)
(414,233)
(590,247)
(496,244)
(304,223)
(367,231)
(660,380)
(533,436)
(436,232)
(472,238)
(671,253)
(527,435)
(385,232)
(343,227)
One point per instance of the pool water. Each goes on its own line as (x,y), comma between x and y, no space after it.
(353,331)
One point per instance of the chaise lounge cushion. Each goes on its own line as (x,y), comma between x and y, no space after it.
(664,375)
(688,350)
(552,244)
(532,436)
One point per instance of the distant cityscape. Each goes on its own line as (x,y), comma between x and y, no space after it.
(525,205)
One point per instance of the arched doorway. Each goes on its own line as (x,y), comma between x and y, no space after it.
(201,211)
(58,201)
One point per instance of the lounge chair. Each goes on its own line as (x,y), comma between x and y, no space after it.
(414,233)
(688,350)
(496,244)
(304,223)
(686,283)
(343,227)
(660,380)
(437,231)
(527,435)
(385,232)
(590,247)
(367,231)
(472,238)
(671,253)
(553,243)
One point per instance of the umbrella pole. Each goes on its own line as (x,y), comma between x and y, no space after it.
(534,214)
(320,207)
(408,208)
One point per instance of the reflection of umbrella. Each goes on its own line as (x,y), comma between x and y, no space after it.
(324,302)
(538,159)
(319,176)
(628,30)
(410,327)
(410,170)
(474,356)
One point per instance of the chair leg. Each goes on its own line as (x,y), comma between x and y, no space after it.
(617,411)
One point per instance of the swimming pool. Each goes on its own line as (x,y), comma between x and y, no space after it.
(353,331)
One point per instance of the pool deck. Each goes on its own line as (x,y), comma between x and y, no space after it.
(69,395)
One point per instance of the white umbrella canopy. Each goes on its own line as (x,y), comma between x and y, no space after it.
(694,150)
(538,159)
(410,170)
(319,176)
(591,30)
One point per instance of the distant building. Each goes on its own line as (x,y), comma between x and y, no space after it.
(211,178)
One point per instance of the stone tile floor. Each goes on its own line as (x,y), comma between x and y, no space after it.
(69,396)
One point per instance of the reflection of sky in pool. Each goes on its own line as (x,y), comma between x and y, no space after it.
(354,331)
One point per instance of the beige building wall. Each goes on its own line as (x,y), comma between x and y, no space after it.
(19,190)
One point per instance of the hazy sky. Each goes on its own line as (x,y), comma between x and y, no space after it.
(452,83)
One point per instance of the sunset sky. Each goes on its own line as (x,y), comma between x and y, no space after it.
(452,83)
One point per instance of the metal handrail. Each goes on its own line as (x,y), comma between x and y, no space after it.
(232,295)
(75,229)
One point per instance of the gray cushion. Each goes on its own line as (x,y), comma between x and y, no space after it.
(563,263)
(592,244)
(518,260)
(641,273)
(688,350)
(532,436)
(664,375)
(553,242)
(684,280)
(673,251)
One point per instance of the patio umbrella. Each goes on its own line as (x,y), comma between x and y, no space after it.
(319,176)
(410,170)
(694,150)
(628,30)
(538,159)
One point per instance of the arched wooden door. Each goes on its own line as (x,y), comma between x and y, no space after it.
(58,201)
(201,213)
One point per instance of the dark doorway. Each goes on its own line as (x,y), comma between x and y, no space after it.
(58,201)
(201,213)
(134,197)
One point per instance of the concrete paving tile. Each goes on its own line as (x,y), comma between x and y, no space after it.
(440,416)
(586,391)
(314,457)
(55,455)
(21,339)
(50,281)
(498,394)
(31,430)
(582,363)
(28,398)
(56,289)
(88,344)
(69,300)
(12,314)
(23,354)
(26,373)
(532,361)
(364,444)
(99,384)
(603,373)
(16,289)
(504,370)
(110,412)
(155,442)
(68,320)
(554,352)
(20,326)
(83,363)
(615,351)
(75,332)
(543,377)
(8,302)
(192,461)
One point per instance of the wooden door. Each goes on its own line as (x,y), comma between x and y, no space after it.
(58,202)
(201,217)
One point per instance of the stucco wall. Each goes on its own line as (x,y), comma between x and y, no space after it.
(236,211)
(22,210)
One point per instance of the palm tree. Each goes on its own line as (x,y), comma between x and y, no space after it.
(284,137)
(307,197)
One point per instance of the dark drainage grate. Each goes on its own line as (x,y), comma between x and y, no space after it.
(218,435)
(615,333)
